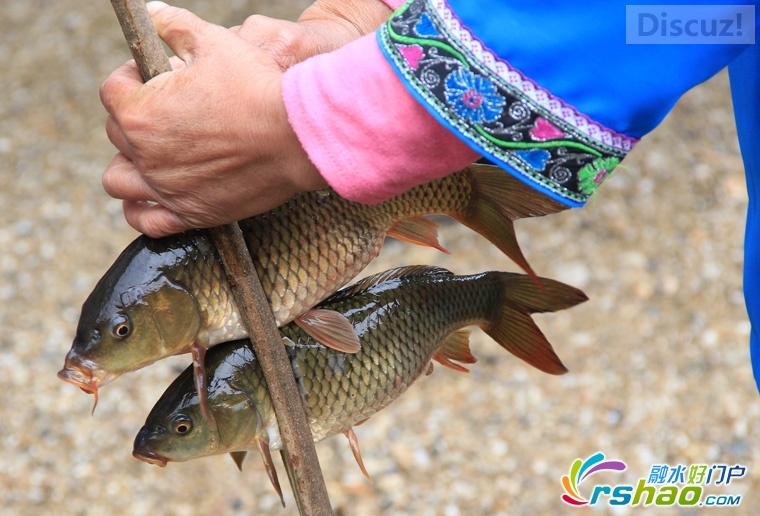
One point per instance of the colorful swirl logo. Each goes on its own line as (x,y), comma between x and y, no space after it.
(582,469)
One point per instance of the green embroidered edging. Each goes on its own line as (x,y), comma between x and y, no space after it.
(536,145)
(426,42)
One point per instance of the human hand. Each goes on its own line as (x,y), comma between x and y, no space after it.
(208,143)
(324,26)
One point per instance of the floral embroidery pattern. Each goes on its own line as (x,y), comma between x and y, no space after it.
(593,174)
(412,54)
(424,27)
(513,122)
(543,130)
(534,158)
(472,97)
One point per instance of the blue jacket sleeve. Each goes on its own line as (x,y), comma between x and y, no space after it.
(549,91)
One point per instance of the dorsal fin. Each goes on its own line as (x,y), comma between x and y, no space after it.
(375,279)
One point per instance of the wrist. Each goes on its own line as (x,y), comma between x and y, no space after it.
(298,171)
(358,17)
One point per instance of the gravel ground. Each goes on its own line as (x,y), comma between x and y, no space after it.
(659,363)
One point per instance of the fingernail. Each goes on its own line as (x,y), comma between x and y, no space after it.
(155,6)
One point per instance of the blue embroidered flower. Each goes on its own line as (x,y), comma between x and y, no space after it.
(535,158)
(424,28)
(473,97)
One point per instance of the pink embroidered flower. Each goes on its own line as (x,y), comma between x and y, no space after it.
(412,53)
(544,130)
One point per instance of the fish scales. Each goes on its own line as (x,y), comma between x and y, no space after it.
(338,236)
(203,275)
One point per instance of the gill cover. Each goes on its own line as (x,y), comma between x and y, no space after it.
(176,430)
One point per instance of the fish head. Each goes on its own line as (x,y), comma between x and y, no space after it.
(135,315)
(176,429)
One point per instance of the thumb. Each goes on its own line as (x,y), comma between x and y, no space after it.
(179,28)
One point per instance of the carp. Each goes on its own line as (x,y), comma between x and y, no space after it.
(405,318)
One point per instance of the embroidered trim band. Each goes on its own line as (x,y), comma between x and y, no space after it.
(505,115)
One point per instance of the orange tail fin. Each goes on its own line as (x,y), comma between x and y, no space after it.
(498,200)
(514,329)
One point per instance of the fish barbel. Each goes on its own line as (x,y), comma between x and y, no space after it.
(168,296)
(404,318)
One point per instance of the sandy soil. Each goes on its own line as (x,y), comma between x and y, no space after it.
(659,361)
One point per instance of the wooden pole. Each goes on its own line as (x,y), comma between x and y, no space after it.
(299,454)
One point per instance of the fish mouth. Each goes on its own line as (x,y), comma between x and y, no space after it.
(76,376)
(88,378)
(150,457)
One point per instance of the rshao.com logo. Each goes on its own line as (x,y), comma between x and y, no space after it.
(680,485)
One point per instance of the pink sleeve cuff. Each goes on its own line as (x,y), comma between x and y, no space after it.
(367,136)
(394,4)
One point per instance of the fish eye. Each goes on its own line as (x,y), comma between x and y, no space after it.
(121,326)
(182,424)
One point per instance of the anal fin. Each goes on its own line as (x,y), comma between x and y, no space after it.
(455,348)
(330,329)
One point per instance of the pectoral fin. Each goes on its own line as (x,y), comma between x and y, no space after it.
(354,443)
(198,352)
(330,329)
(266,457)
(417,230)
